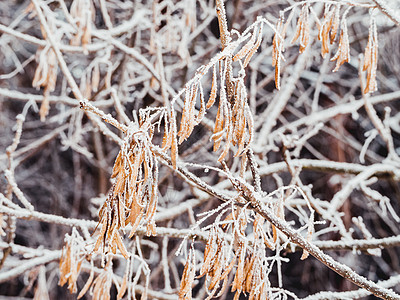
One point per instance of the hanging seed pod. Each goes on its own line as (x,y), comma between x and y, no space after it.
(335,23)
(188,115)
(72,256)
(213,93)
(343,53)
(102,284)
(246,48)
(189,272)
(202,109)
(371,58)
(228,129)
(277,49)
(302,29)
(327,25)
(254,48)
(218,128)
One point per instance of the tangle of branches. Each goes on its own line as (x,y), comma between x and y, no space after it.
(199,149)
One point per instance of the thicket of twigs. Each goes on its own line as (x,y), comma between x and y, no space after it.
(184,149)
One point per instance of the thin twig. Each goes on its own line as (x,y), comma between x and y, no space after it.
(382,5)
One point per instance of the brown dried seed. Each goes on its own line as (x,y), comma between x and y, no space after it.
(305,38)
(152,205)
(263,291)
(120,183)
(324,39)
(277,49)
(217,271)
(367,56)
(87,285)
(335,22)
(191,119)
(183,129)
(241,135)
(298,28)
(305,30)
(213,93)
(223,288)
(187,277)
(239,276)
(274,233)
(329,16)
(254,47)
(202,110)
(343,53)
(249,270)
(101,235)
(121,245)
(136,221)
(371,58)
(208,254)
(219,122)
(246,48)
(117,165)
(228,269)
(225,151)
(228,128)
(102,286)
(243,166)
